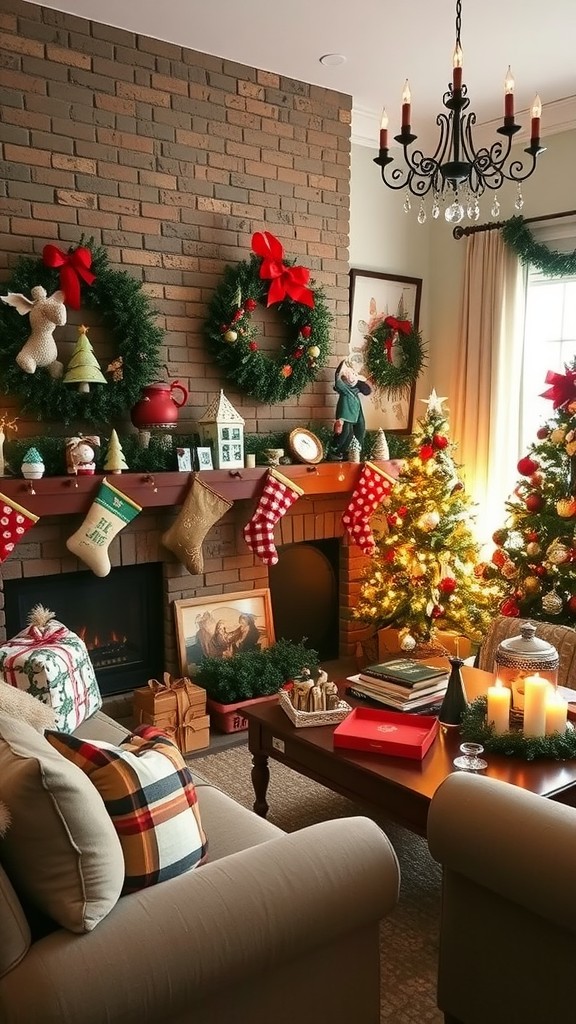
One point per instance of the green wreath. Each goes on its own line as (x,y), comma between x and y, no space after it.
(232,337)
(397,380)
(126,312)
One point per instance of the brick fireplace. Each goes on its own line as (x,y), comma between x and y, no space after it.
(229,565)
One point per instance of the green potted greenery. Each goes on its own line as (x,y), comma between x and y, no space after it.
(234,683)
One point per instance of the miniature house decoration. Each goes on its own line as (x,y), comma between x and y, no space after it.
(223,428)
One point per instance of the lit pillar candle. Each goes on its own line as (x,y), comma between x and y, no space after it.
(384,130)
(556,714)
(509,94)
(535,123)
(498,713)
(536,692)
(457,67)
(406,101)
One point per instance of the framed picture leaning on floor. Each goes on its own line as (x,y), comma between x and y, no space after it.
(223,625)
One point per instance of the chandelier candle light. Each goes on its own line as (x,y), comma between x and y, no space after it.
(457,170)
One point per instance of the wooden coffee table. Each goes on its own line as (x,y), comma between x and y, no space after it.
(399,788)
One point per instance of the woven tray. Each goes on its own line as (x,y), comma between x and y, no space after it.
(301,719)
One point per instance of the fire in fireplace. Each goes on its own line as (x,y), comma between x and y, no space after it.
(119,618)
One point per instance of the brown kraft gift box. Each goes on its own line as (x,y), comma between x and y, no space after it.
(178,707)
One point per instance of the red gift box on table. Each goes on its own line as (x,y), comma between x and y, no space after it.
(387,732)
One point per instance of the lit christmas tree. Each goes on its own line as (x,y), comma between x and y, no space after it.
(535,557)
(425,573)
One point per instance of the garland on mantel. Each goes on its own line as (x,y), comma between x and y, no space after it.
(520,239)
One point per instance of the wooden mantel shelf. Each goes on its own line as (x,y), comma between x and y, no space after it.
(68,495)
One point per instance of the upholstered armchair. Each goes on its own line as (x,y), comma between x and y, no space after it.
(508,920)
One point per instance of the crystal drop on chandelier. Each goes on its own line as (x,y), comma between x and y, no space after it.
(407,204)
(455,212)
(436,206)
(519,198)
(473,210)
(421,214)
(495,211)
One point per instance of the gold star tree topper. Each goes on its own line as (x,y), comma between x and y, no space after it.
(434,403)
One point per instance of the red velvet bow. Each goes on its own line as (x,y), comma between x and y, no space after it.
(286,281)
(73,266)
(563,388)
(402,326)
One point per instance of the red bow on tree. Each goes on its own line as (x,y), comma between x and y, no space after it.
(402,326)
(286,281)
(563,388)
(73,266)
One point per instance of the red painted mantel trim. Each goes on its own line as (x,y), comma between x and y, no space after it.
(59,495)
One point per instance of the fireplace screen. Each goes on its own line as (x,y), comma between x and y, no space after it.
(119,618)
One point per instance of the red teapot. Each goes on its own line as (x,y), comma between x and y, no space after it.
(157,407)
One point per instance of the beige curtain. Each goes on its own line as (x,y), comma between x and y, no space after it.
(486,417)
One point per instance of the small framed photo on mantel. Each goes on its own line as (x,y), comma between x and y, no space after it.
(184,456)
(204,458)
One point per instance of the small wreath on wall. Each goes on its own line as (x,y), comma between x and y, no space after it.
(233,338)
(126,312)
(394,356)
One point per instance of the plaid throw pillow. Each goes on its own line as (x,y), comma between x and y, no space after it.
(150,796)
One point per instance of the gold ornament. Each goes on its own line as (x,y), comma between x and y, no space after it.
(533,549)
(230,336)
(557,553)
(313,351)
(532,585)
(557,435)
(429,520)
(552,603)
(566,508)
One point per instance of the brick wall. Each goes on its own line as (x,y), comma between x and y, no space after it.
(171,159)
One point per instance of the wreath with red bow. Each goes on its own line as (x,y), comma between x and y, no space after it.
(85,277)
(394,356)
(233,337)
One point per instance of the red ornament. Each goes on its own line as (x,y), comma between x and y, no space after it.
(499,557)
(531,535)
(527,466)
(537,479)
(539,570)
(479,570)
(510,608)
(499,536)
(306,331)
(253,346)
(447,585)
(250,305)
(426,452)
(572,605)
(534,502)
(237,316)
(437,611)
(439,441)
(298,353)
(542,433)
(402,511)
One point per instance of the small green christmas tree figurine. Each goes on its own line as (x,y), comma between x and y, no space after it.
(115,461)
(535,556)
(83,368)
(422,577)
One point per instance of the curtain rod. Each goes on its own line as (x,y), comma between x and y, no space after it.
(459,232)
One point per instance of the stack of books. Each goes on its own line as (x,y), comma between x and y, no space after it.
(403,684)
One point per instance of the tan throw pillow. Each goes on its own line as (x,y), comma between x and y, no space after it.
(26,708)
(61,851)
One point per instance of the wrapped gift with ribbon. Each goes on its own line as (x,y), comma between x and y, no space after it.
(178,708)
(50,662)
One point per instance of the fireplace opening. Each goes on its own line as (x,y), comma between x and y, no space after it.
(119,618)
(304,591)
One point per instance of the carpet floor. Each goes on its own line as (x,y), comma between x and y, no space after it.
(409,936)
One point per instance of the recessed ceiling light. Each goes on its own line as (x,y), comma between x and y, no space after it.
(332,60)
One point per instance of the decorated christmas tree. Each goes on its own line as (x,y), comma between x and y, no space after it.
(535,556)
(423,576)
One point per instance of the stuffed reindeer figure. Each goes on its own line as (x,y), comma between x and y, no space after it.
(46,313)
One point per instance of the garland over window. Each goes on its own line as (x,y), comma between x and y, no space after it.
(233,338)
(126,312)
(548,261)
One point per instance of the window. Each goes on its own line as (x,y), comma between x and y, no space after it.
(549,335)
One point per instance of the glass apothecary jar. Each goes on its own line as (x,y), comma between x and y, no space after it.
(522,656)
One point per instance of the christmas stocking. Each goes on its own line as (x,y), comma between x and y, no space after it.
(109,514)
(201,509)
(14,522)
(278,496)
(373,485)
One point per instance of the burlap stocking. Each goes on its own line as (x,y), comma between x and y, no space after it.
(202,508)
(373,485)
(109,513)
(278,496)
(14,522)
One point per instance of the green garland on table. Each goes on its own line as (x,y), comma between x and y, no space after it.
(475,727)
(549,261)
(382,372)
(232,337)
(126,312)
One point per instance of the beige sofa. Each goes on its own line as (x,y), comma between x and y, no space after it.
(274,927)
(508,925)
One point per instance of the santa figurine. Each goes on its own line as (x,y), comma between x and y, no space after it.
(80,455)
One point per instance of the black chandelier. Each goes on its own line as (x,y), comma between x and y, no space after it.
(458,171)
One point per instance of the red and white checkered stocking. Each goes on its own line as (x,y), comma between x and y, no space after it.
(278,496)
(373,485)
(14,522)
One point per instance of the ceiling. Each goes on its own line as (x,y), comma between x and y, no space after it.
(384,43)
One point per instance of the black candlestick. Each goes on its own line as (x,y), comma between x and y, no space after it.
(455,701)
